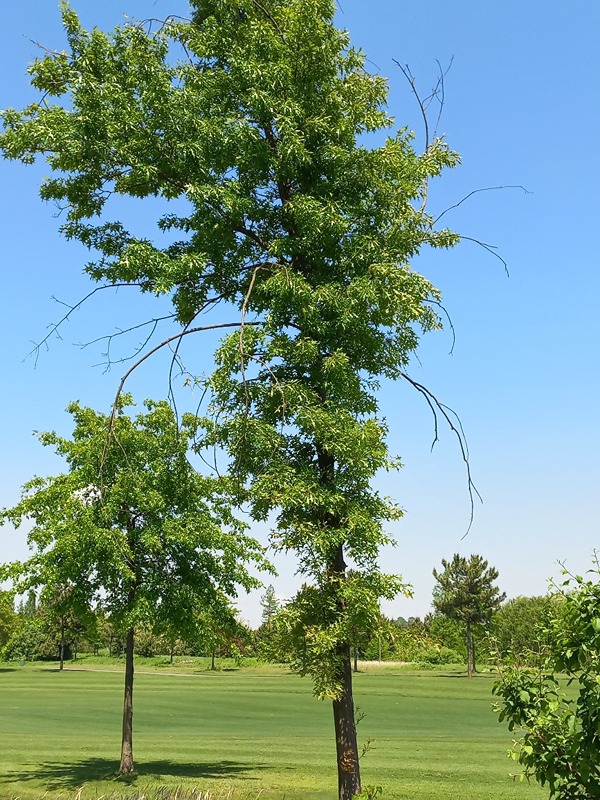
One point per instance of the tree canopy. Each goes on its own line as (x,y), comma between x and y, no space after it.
(519,628)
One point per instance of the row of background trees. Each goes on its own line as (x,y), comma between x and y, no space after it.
(515,630)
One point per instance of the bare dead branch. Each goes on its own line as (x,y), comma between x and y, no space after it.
(489,247)
(452,419)
(449,318)
(54,328)
(412,83)
(154,322)
(440,92)
(437,93)
(162,23)
(159,346)
(137,351)
(46,49)
(478,191)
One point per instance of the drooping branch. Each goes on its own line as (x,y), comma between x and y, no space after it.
(160,346)
(449,318)
(452,419)
(176,359)
(489,247)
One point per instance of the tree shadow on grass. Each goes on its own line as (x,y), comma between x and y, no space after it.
(89,770)
(9,669)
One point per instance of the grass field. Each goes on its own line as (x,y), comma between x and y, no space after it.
(248,732)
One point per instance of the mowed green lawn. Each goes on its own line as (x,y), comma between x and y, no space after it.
(250,732)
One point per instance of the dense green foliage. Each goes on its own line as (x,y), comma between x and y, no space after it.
(8,618)
(519,628)
(131,524)
(465,591)
(560,726)
(42,636)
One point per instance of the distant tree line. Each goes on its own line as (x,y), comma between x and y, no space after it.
(515,631)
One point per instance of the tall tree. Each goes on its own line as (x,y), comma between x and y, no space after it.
(133,523)
(293,219)
(466,592)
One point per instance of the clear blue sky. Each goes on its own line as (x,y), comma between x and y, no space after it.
(521,108)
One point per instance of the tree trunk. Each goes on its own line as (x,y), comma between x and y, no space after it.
(345,735)
(212,660)
(343,711)
(344,721)
(470,651)
(126,765)
(355,648)
(62,642)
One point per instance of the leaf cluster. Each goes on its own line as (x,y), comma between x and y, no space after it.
(559,724)
(313,631)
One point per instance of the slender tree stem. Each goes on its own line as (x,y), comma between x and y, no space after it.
(126,765)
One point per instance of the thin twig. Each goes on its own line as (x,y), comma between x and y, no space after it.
(242,326)
(46,49)
(440,91)
(449,318)
(270,17)
(54,328)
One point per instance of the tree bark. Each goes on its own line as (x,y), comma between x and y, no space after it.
(126,765)
(355,648)
(343,712)
(345,734)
